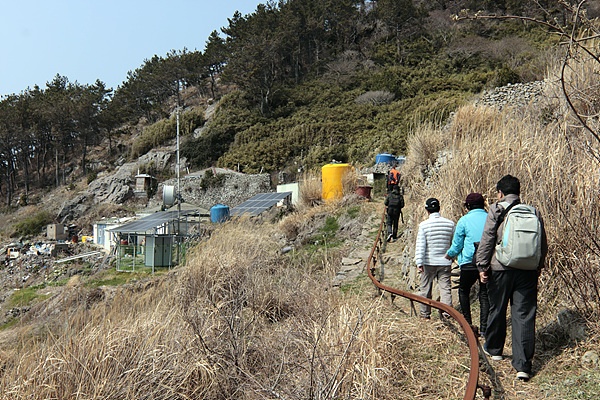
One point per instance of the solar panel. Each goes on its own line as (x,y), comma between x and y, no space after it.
(151,221)
(259,203)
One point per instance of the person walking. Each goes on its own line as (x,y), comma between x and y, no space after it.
(466,235)
(393,178)
(394,203)
(433,240)
(512,279)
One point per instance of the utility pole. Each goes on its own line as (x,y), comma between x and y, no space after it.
(177,174)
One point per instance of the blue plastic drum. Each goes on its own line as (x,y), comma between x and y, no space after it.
(219,213)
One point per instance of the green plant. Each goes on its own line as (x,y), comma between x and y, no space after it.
(25,297)
(166,129)
(212,180)
(33,225)
(114,278)
(331,227)
(91,176)
(353,211)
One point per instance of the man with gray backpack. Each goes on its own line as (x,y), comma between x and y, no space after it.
(510,257)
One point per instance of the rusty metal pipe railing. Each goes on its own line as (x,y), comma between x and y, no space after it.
(472,382)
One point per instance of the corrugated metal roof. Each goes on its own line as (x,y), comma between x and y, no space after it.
(152,221)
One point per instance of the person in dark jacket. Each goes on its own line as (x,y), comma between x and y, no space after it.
(394,203)
(466,235)
(509,285)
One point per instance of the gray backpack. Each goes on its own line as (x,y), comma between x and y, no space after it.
(520,242)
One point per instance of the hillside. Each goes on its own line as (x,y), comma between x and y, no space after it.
(281,308)
(242,319)
(344,81)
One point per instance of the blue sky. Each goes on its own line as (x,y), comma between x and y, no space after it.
(86,40)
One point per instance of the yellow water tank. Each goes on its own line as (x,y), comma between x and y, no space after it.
(332,177)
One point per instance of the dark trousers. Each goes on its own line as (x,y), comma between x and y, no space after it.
(519,288)
(468,277)
(392,219)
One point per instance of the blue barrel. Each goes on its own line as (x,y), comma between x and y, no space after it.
(385,158)
(219,213)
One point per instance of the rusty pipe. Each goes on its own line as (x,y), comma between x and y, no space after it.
(472,382)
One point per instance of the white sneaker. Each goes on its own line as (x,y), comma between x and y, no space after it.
(523,376)
(389,237)
(495,358)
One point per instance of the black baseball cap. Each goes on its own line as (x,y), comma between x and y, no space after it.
(432,204)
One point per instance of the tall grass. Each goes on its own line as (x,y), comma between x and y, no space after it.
(557,173)
(241,321)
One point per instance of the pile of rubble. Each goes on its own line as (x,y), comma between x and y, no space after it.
(29,264)
(516,95)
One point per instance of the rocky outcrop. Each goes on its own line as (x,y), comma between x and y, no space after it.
(115,188)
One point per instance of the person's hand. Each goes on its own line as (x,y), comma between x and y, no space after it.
(420,268)
(447,257)
(484,276)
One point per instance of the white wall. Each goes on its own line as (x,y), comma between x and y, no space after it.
(290,187)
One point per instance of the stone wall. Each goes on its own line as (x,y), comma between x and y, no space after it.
(235,189)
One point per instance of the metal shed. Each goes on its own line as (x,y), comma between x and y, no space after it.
(154,240)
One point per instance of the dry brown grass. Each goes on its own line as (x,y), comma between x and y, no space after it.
(555,161)
(557,173)
(310,189)
(240,321)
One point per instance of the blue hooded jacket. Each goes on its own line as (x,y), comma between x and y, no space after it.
(468,231)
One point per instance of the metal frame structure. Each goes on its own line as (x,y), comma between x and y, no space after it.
(162,233)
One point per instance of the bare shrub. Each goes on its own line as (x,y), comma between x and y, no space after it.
(424,146)
(376,98)
(349,182)
(310,189)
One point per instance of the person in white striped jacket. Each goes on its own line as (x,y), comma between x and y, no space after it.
(434,238)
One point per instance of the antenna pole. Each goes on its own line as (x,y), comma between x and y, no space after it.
(177,165)
(178,196)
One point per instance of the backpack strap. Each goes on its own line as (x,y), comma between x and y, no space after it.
(503,214)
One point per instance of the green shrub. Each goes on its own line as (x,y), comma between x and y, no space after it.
(211,179)
(166,129)
(33,225)
(91,176)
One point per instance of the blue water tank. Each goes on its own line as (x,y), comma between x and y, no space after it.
(219,213)
(385,158)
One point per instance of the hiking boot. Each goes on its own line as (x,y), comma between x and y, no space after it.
(495,358)
(523,376)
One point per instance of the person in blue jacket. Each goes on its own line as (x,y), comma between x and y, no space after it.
(467,235)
